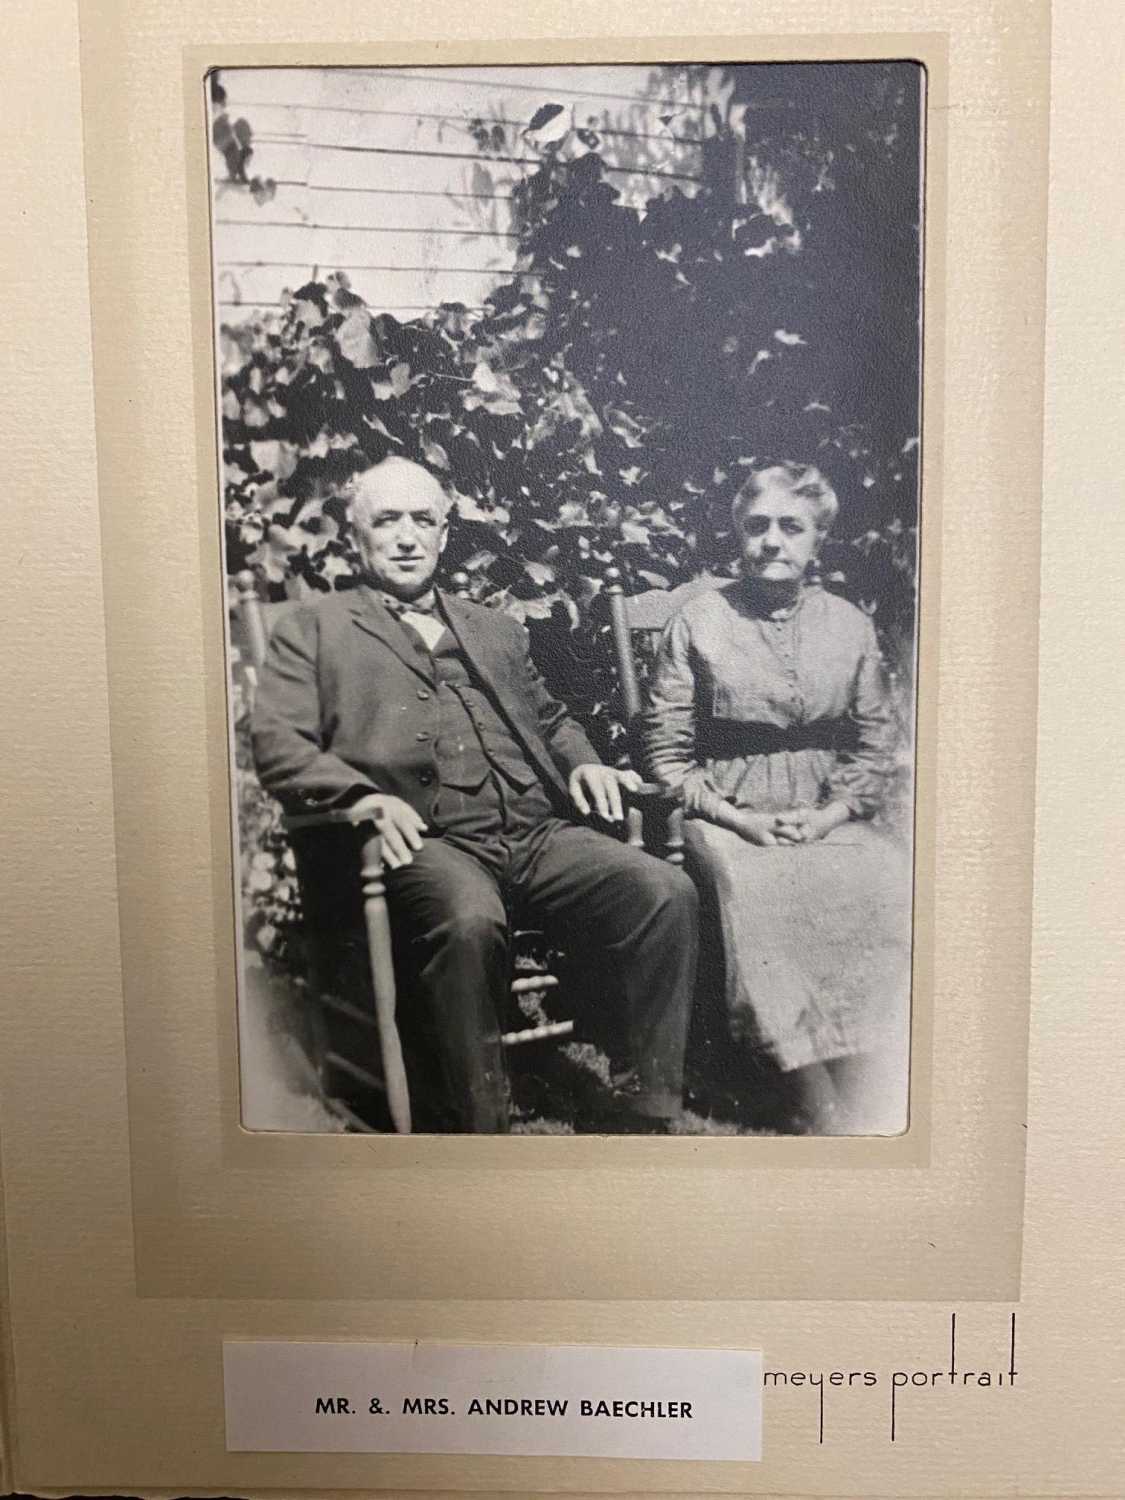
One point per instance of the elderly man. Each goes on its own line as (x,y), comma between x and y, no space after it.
(427,712)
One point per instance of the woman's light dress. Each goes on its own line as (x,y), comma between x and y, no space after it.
(770,714)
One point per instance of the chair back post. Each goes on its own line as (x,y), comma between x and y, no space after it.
(649,614)
(249,608)
(623,643)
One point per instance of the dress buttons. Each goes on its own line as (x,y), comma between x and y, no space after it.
(421,736)
(423,693)
(425,777)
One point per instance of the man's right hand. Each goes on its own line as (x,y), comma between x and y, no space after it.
(399,826)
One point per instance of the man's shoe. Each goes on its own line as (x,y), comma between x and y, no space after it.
(629,1109)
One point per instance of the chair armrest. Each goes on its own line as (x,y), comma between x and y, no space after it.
(295,822)
(650,804)
(651,794)
(371,873)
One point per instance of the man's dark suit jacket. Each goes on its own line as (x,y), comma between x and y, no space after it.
(347,706)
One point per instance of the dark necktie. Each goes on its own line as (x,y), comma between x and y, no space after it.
(426,605)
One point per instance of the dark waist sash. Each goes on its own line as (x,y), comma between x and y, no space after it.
(729,739)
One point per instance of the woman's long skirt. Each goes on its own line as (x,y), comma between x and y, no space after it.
(816,940)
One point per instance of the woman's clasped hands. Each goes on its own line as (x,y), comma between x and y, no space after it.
(796,825)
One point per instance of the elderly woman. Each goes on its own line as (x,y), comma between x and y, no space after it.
(769,713)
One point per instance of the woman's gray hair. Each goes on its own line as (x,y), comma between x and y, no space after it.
(802,480)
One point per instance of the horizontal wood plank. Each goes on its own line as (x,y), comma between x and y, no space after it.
(382,290)
(404,207)
(356,245)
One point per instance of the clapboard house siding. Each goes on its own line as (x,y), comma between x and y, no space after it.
(380,173)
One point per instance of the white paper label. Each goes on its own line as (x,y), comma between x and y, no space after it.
(557,1401)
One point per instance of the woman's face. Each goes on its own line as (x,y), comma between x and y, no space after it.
(779,537)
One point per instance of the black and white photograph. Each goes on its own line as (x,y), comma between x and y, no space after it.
(569,429)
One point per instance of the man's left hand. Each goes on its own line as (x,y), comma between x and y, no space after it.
(597,788)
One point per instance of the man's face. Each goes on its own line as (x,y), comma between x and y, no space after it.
(399,520)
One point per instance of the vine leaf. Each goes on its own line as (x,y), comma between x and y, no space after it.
(543,116)
(356,341)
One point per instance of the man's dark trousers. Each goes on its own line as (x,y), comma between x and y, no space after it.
(631,915)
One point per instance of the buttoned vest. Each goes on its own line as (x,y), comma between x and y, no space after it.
(472,736)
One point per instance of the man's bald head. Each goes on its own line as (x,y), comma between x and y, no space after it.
(395,478)
(400,516)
